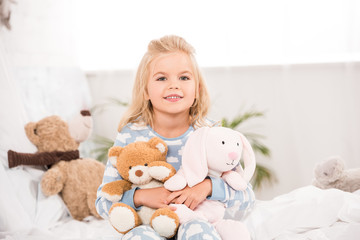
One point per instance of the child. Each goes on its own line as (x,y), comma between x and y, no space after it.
(170,100)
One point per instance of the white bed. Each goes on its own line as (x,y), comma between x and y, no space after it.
(25,213)
(305,213)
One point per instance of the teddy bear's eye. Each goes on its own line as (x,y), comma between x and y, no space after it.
(223,142)
(130,167)
(145,164)
(35,131)
(238,144)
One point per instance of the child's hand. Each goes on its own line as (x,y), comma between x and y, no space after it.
(191,196)
(151,197)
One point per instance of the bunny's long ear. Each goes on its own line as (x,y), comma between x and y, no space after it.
(194,162)
(249,159)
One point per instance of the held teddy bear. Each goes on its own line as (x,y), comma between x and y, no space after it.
(140,164)
(76,179)
(331,173)
(214,152)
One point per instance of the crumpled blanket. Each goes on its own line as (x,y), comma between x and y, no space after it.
(307,213)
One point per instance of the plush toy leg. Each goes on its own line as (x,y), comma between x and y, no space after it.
(78,211)
(232,230)
(123,218)
(165,222)
(185,214)
(91,197)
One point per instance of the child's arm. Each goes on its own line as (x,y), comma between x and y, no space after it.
(151,197)
(192,196)
(213,189)
(222,192)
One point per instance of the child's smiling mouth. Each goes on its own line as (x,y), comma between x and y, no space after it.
(173,98)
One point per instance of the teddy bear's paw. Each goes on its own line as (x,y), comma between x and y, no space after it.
(160,173)
(165,222)
(123,218)
(113,191)
(52,182)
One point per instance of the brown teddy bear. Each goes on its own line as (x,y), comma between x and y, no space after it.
(140,164)
(76,179)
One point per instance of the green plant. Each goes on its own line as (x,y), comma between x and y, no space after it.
(110,102)
(102,143)
(262,174)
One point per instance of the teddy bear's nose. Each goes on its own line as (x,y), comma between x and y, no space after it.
(85,113)
(138,173)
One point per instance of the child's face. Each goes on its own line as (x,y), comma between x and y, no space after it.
(171,84)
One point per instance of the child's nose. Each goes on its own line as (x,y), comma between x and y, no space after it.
(173,83)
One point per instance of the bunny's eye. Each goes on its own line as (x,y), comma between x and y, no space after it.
(35,131)
(238,144)
(223,142)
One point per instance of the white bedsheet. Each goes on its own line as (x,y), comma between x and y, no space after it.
(307,213)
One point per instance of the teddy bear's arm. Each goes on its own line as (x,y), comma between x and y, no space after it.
(161,171)
(52,181)
(113,191)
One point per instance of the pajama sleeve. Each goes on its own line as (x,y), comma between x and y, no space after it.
(221,191)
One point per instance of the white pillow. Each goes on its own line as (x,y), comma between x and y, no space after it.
(13,117)
(13,215)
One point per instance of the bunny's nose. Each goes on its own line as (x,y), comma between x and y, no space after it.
(233,155)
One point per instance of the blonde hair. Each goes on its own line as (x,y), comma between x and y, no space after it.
(140,109)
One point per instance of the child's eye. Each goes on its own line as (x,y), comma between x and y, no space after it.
(184,78)
(161,79)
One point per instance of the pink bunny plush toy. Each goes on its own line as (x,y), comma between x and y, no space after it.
(214,152)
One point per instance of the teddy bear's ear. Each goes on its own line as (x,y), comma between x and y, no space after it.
(114,152)
(159,144)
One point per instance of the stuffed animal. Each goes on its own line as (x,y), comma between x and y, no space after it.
(140,164)
(76,179)
(5,12)
(331,173)
(55,140)
(214,152)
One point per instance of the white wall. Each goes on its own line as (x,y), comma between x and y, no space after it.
(312,112)
(41,34)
